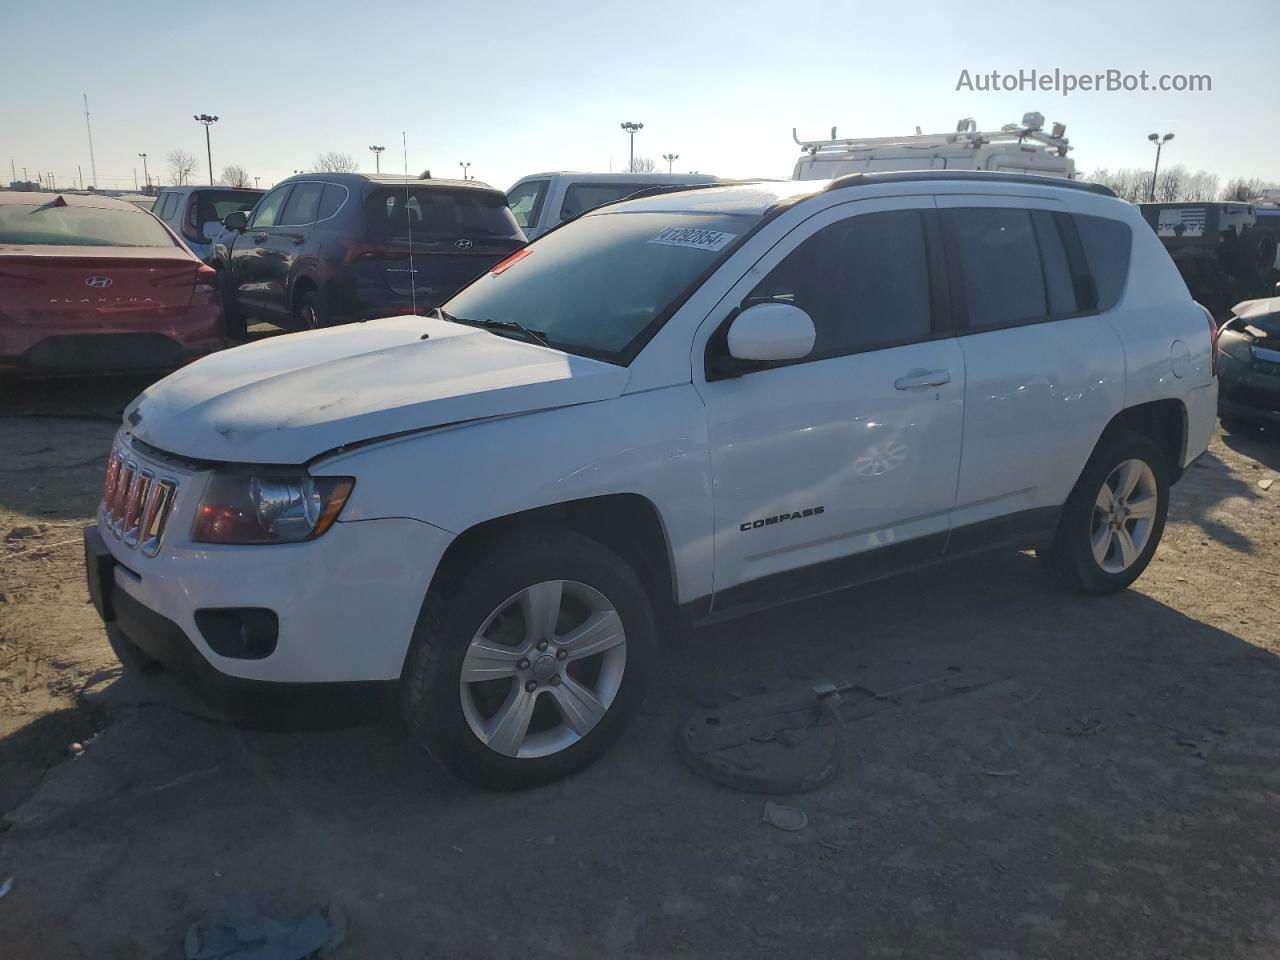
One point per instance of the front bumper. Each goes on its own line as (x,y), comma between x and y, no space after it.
(346,603)
(1246,393)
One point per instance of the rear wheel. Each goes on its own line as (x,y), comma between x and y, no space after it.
(529,661)
(1114,518)
(310,312)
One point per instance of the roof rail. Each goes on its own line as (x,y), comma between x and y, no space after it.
(984,176)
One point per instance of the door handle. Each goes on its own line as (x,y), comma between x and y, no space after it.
(259,237)
(917,380)
(297,241)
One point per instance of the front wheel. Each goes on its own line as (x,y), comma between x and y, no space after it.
(311,312)
(1114,518)
(528,662)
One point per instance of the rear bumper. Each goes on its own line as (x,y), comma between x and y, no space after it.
(106,353)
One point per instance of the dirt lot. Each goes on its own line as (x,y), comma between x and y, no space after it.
(1115,793)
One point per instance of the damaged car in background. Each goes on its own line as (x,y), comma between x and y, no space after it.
(1249,362)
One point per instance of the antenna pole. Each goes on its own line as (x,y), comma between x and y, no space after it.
(93,166)
(408,221)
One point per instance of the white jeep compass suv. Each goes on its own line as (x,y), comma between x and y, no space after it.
(691,403)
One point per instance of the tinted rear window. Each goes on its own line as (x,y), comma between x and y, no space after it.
(215,205)
(1000,263)
(431,212)
(581,197)
(1106,248)
(80,226)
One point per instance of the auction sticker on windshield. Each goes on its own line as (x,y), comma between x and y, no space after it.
(693,237)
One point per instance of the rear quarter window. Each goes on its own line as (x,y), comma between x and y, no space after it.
(168,206)
(1107,245)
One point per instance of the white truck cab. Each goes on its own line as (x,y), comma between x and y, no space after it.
(1014,148)
(674,408)
(541,201)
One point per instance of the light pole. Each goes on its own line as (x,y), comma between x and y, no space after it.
(208,121)
(255,182)
(1159,141)
(671,158)
(465,165)
(377,158)
(145,176)
(632,129)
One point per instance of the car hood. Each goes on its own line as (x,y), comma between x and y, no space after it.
(291,398)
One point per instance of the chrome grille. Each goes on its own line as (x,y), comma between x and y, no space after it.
(137,501)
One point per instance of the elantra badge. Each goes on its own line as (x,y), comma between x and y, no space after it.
(98,283)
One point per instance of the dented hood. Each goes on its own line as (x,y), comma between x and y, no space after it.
(291,398)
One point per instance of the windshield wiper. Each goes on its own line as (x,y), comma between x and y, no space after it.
(537,336)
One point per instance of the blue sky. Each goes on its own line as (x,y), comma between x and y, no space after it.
(520,87)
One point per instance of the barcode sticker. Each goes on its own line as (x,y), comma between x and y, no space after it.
(693,237)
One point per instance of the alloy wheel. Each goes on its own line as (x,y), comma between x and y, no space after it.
(543,669)
(1124,514)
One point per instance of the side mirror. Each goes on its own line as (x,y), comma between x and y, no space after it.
(236,220)
(211,229)
(771,331)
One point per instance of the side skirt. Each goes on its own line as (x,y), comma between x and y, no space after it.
(1017,531)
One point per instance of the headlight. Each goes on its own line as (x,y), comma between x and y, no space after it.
(269,507)
(1236,347)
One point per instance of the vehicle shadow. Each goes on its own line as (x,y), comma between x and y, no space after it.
(1199,496)
(1106,794)
(1260,442)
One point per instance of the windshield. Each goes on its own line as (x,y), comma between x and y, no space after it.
(68,226)
(434,213)
(601,285)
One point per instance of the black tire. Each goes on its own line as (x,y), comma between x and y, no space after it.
(234,321)
(477,585)
(1071,554)
(310,312)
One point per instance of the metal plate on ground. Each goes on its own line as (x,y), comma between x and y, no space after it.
(791,738)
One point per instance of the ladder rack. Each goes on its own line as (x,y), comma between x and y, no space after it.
(966,135)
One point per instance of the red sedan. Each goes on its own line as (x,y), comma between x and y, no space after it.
(93,284)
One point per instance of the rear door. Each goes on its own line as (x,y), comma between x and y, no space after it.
(251,257)
(1044,372)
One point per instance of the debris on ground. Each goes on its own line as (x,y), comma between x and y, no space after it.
(1266,484)
(790,819)
(21,533)
(244,930)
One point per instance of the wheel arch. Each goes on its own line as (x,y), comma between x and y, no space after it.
(629,524)
(302,285)
(1163,421)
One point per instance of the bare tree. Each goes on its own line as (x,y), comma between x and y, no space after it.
(335,162)
(1171,184)
(1244,188)
(1201,185)
(642,165)
(235,176)
(181,166)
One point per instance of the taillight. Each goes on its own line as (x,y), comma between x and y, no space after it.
(364,250)
(1214,330)
(189,226)
(508,262)
(206,276)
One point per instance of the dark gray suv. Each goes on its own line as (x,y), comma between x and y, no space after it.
(326,248)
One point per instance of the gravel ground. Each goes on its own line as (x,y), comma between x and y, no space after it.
(1114,793)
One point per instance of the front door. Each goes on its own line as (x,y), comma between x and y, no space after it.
(827,467)
(251,267)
